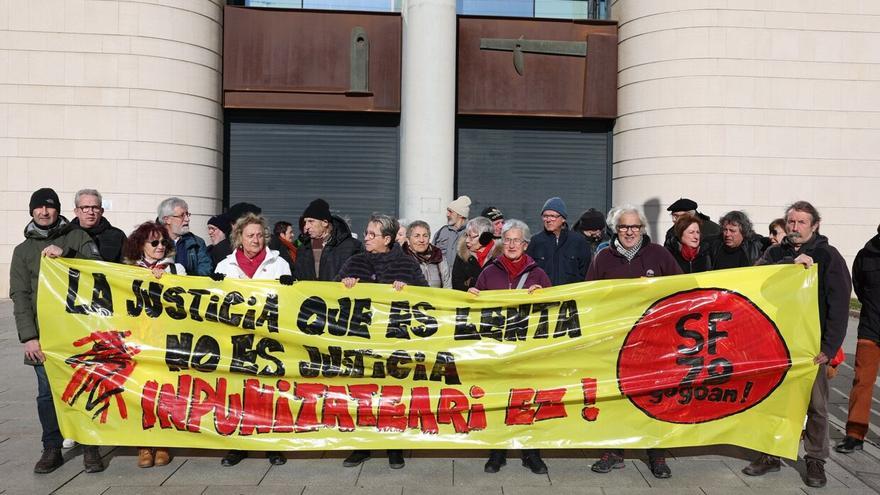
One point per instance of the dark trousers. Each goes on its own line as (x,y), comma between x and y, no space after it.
(867,362)
(816,443)
(46,410)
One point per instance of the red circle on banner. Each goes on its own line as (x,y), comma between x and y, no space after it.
(701,355)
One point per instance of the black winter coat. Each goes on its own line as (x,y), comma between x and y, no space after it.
(835,285)
(702,263)
(384,268)
(866,282)
(340,247)
(108,238)
(752,246)
(566,261)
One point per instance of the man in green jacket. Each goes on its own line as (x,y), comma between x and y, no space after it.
(47,234)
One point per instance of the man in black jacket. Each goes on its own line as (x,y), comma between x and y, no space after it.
(866,282)
(738,246)
(89,211)
(804,245)
(332,244)
(564,255)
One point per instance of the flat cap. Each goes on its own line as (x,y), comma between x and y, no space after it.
(683,204)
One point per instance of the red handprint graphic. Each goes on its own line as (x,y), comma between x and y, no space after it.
(101,371)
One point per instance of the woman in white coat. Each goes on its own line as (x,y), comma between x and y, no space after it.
(251,259)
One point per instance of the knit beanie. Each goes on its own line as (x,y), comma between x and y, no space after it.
(45,197)
(492,213)
(319,210)
(221,221)
(592,219)
(462,206)
(556,204)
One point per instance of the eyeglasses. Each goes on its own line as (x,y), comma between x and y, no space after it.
(156,242)
(90,209)
(549,216)
(371,235)
(624,228)
(183,215)
(513,242)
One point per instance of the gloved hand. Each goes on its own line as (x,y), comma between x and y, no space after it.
(286,279)
(217,277)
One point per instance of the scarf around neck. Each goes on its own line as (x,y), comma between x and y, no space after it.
(483,254)
(629,254)
(689,253)
(249,266)
(514,268)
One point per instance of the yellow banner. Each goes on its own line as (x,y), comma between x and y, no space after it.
(715,358)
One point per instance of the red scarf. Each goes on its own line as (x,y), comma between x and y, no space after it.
(249,266)
(291,249)
(514,268)
(483,254)
(689,253)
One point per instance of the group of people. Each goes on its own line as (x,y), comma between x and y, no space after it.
(474,254)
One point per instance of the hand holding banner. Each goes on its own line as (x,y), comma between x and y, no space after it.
(255,365)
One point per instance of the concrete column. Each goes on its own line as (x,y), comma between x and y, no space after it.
(427,115)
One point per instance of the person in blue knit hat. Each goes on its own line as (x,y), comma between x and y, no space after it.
(563,254)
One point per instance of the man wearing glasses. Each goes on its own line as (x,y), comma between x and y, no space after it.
(190,250)
(561,253)
(90,217)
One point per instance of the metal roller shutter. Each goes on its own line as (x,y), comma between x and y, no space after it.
(283,165)
(516,170)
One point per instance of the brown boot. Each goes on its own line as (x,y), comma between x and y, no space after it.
(145,457)
(162,457)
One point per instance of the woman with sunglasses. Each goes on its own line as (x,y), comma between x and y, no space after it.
(150,247)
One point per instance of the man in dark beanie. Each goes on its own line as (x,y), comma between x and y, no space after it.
(332,244)
(497,218)
(48,234)
(685,206)
(219,228)
(592,226)
(563,255)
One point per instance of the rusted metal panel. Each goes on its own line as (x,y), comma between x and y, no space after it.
(540,70)
(303,60)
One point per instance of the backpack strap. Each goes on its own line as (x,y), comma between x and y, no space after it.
(522,280)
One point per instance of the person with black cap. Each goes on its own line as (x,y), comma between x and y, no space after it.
(494,214)
(218,231)
(564,256)
(592,226)
(50,235)
(685,206)
(322,259)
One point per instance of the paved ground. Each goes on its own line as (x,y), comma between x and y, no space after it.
(708,471)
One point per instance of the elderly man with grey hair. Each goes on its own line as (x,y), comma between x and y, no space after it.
(631,254)
(190,250)
(89,211)
(738,246)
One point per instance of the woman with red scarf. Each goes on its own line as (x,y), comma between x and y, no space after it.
(251,259)
(689,248)
(150,247)
(476,247)
(514,270)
